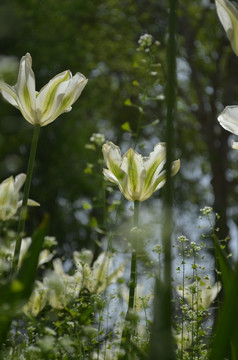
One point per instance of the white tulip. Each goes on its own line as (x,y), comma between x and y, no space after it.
(52,100)
(137,177)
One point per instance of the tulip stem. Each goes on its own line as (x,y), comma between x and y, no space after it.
(23,212)
(126,333)
(133,262)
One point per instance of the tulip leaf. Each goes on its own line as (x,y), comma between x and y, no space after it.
(226,329)
(16,292)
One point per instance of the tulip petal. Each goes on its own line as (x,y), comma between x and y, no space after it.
(228,16)
(25,89)
(132,165)
(19,181)
(154,164)
(47,101)
(9,93)
(228,119)
(67,93)
(112,158)
(110,176)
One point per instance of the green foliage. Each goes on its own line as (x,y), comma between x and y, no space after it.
(16,291)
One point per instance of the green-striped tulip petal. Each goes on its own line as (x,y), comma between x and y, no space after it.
(228,16)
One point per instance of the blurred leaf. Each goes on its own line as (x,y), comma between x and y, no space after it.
(128,102)
(126,126)
(16,292)
(87,205)
(135,83)
(226,330)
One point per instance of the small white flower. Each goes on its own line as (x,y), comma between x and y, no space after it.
(52,100)
(228,16)
(234,145)
(137,177)
(145,40)
(97,138)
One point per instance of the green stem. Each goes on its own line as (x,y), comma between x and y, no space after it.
(27,186)
(171,108)
(126,333)
(162,347)
(133,262)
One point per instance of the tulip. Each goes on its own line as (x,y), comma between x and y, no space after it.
(228,16)
(96,276)
(228,119)
(201,293)
(137,177)
(52,100)
(9,196)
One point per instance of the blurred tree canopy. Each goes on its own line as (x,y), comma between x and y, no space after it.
(99,38)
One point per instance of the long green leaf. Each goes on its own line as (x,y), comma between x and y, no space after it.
(226,329)
(16,292)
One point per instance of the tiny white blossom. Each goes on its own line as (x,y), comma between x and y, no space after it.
(97,138)
(145,40)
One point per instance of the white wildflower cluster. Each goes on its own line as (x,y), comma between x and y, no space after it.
(207,210)
(97,139)
(145,40)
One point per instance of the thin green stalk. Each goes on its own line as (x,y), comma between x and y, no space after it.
(27,186)
(183,265)
(126,334)
(162,347)
(168,222)
(133,262)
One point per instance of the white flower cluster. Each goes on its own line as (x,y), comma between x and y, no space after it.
(145,40)
(97,139)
